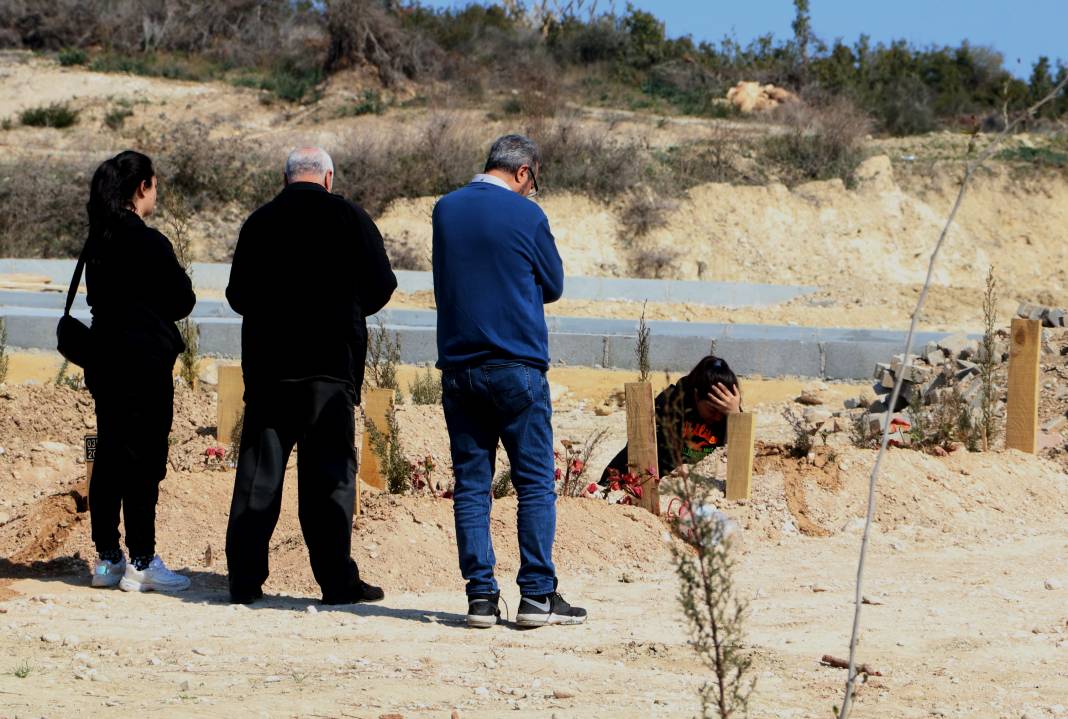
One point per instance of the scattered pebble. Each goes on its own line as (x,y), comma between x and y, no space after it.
(312,609)
(50,638)
(184,686)
(1054,584)
(563,694)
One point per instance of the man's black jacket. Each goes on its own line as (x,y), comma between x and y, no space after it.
(137,291)
(309,267)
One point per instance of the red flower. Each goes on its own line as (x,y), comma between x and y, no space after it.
(577,465)
(614,486)
(592,488)
(637,492)
(558,474)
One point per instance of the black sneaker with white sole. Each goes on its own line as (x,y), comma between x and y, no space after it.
(482,610)
(540,611)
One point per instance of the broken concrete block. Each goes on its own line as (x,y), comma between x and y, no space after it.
(880,368)
(1053,318)
(816,415)
(954,344)
(935,358)
(1029,311)
(888,380)
(897,362)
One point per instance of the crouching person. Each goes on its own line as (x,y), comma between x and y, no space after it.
(691,418)
(308,268)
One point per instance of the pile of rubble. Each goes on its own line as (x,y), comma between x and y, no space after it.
(1050,316)
(950,365)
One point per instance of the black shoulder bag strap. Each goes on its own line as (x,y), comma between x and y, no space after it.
(76,279)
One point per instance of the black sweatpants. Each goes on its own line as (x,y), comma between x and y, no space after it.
(133,421)
(317,417)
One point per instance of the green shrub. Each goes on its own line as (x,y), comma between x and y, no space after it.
(72,56)
(370,103)
(427,388)
(58,114)
(116,117)
(293,83)
(1038,156)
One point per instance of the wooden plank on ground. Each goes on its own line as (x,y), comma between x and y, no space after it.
(231,404)
(641,440)
(1021,423)
(377,404)
(740,434)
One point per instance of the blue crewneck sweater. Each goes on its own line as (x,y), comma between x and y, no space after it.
(495,267)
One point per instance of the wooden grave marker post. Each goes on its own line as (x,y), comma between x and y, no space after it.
(641,440)
(231,403)
(1021,422)
(377,404)
(740,434)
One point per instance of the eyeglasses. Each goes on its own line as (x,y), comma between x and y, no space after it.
(533,179)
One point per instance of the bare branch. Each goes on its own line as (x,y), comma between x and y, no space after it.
(969,171)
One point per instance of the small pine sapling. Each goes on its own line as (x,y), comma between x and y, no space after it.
(988,362)
(641,347)
(5,361)
(383,355)
(393,465)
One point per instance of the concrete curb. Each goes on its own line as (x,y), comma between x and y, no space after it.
(750,349)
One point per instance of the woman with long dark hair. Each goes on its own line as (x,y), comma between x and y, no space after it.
(691,417)
(137,291)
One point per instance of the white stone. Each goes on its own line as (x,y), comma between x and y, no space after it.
(1054,584)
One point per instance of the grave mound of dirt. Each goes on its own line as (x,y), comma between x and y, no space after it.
(408,542)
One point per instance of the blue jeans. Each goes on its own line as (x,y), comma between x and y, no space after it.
(507,403)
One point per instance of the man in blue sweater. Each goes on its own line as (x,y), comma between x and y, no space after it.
(495,266)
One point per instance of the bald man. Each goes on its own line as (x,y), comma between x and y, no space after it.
(309,267)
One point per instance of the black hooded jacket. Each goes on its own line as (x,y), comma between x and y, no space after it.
(308,269)
(137,291)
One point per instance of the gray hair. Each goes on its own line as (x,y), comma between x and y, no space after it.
(512,152)
(306,161)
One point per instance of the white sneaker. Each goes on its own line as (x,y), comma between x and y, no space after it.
(153,578)
(108,574)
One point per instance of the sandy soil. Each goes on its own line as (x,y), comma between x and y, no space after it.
(963,550)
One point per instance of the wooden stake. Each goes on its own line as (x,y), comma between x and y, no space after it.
(1021,423)
(231,402)
(377,404)
(641,440)
(740,426)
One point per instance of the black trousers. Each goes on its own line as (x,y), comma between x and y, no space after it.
(133,422)
(317,417)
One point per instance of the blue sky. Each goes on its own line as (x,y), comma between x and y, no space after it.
(1024,29)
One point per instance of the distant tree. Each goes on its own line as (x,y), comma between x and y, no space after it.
(1040,85)
(802,26)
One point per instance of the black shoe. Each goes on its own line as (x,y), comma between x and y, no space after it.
(539,611)
(245,596)
(361,591)
(482,610)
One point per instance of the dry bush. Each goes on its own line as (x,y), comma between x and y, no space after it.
(587,160)
(42,209)
(362,31)
(644,211)
(653,262)
(431,159)
(821,142)
(207,171)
